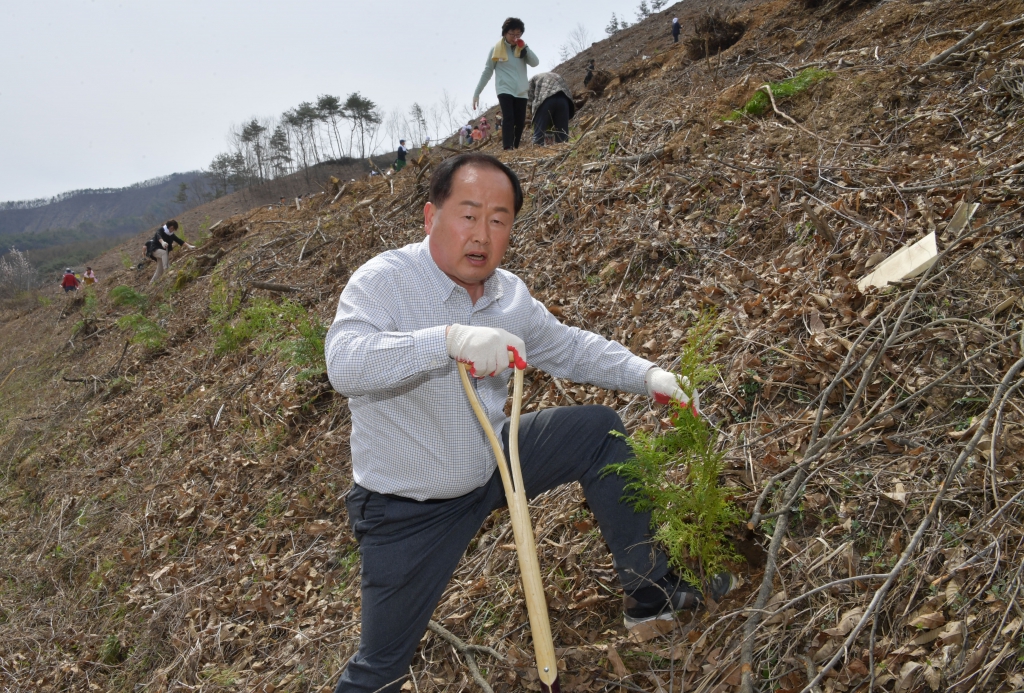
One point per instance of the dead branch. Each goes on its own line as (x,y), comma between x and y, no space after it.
(819,224)
(8,377)
(767,88)
(933,510)
(313,233)
(639,159)
(944,55)
(467,651)
(278,288)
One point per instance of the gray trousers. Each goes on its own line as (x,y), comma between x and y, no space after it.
(161,257)
(410,549)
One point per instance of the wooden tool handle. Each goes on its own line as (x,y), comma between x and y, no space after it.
(522,529)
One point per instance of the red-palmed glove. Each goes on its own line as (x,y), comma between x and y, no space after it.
(520,43)
(484,349)
(664,387)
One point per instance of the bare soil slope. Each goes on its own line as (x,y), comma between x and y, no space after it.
(171,510)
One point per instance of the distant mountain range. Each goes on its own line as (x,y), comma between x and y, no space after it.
(70,229)
(74,226)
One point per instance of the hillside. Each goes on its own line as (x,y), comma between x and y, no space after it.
(80,224)
(78,208)
(174,460)
(76,227)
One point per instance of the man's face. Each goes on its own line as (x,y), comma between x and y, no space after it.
(469,233)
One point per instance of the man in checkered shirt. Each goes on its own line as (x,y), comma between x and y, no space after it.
(425,477)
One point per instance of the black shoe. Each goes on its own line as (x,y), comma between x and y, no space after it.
(675,595)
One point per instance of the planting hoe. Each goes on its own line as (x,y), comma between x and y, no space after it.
(522,530)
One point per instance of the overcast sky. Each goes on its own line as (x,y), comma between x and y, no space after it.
(104,94)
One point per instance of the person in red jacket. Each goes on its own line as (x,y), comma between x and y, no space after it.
(70,281)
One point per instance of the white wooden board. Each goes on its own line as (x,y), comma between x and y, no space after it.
(909,261)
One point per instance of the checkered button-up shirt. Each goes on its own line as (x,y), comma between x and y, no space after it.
(544,86)
(413,431)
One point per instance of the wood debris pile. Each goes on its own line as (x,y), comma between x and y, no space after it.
(177,521)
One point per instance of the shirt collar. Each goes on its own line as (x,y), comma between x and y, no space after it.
(442,285)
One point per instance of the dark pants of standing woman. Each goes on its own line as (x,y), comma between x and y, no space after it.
(513,119)
(556,111)
(410,549)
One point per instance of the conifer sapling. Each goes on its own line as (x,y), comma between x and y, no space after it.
(674,474)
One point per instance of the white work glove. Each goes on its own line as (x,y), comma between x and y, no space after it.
(664,386)
(484,349)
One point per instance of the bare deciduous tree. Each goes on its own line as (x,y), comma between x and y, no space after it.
(579,40)
(17,274)
(450,109)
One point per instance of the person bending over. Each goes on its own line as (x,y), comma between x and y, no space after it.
(551,104)
(163,244)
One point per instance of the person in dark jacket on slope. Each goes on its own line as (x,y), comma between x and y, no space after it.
(400,161)
(165,239)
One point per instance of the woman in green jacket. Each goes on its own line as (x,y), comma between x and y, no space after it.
(507,61)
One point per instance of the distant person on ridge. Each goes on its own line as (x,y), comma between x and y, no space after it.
(485,127)
(551,104)
(89,277)
(166,237)
(400,161)
(69,281)
(675,31)
(590,73)
(508,60)
(476,134)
